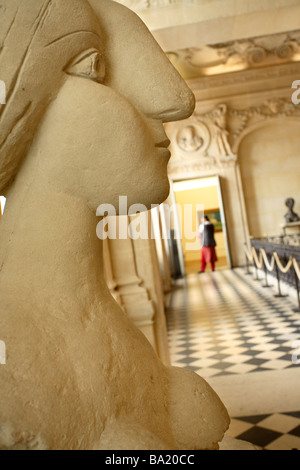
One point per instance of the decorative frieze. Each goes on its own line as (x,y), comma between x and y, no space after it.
(204,140)
(237,55)
(250,75)
(211,140)
(241,121)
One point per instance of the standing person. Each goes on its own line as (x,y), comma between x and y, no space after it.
(208,243)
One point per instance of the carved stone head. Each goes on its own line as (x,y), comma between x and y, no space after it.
(88,90)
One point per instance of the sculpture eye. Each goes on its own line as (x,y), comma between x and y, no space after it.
(90,65)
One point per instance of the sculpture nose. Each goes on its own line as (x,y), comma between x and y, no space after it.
(156,88)
(177,100)
(138,68)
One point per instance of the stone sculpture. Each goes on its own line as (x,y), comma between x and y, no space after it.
(291,215)
(87,92)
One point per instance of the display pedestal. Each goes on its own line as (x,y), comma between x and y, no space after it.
(290,225)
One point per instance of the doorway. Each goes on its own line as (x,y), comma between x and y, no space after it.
(195,198)
(2,205)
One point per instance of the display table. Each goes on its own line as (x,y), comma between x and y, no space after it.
(290,225)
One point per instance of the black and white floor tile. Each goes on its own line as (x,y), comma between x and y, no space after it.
(280,431)
(226,324)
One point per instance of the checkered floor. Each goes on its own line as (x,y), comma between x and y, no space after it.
(225,323)
(280,431)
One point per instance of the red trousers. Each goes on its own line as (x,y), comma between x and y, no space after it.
(208,255)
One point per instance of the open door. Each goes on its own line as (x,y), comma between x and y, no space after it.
(223,221)
(193,199)
(176,238)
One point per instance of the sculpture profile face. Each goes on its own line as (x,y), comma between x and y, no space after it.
(88,90)
(101,92)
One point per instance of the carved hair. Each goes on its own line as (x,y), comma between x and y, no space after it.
(35,48)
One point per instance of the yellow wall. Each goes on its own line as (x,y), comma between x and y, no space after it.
(270,168)
(1,207)
(209,197)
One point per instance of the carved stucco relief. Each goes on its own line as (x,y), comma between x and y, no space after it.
(211,140)
(242,122)
(203,142)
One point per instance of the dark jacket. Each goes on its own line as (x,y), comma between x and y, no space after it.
(207,236)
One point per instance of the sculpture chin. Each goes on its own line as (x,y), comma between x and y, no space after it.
(161,191)
(151,192)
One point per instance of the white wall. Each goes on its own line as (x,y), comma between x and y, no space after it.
(270,169)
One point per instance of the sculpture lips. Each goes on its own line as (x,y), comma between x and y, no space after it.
(164,144)
(163,147)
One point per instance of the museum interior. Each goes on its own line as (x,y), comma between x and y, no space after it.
(236,159)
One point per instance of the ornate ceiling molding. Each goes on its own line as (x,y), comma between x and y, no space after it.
(242,122)
(257,50)
(246,76)
(239,55)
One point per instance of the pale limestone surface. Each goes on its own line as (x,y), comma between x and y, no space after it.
(229,443)
(88,91)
